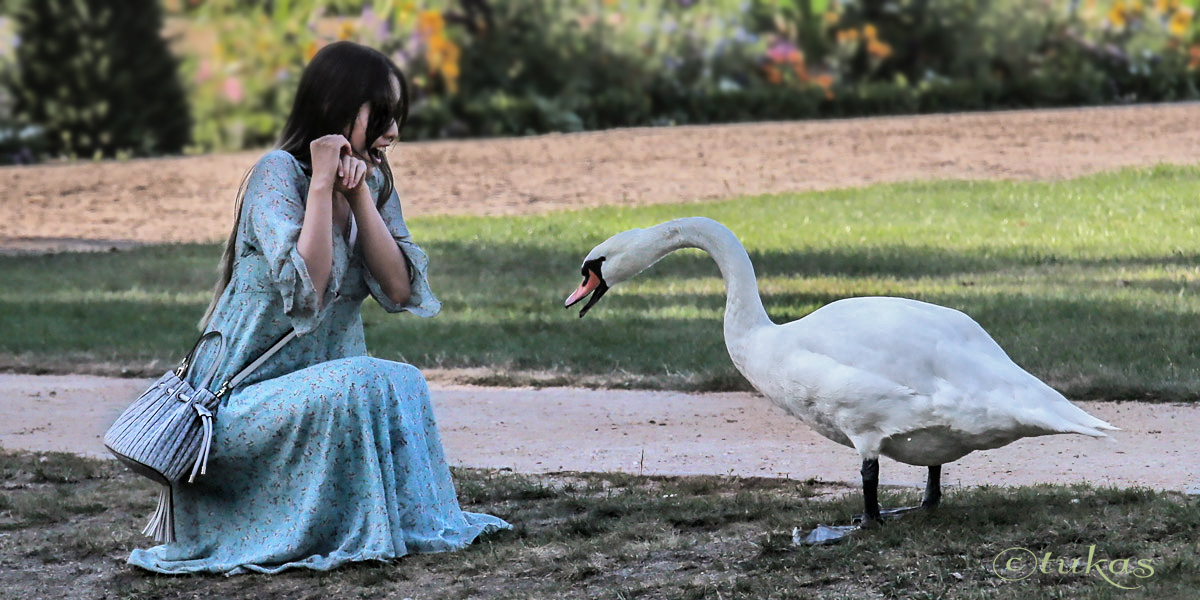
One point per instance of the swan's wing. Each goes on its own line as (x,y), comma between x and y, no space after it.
(934,365)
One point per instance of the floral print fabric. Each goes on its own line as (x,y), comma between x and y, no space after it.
(324,455)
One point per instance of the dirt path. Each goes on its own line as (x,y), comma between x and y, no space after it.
(97,205)
(101,205)
(557,429)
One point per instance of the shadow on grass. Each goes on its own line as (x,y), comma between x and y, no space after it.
(503,310)
(895,261)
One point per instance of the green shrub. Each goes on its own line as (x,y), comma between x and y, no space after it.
(97,79)
(492,68)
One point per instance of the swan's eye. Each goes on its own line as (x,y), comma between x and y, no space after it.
(591,266)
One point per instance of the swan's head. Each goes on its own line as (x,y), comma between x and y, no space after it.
(617,259)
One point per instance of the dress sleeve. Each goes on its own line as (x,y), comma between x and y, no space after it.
(422,302)
(273,212)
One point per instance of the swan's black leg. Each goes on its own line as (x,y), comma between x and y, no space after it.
(870,481)
(933,488)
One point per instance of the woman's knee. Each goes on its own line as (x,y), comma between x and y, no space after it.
(376,371)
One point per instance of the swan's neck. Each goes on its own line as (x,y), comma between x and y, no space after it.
(744,310)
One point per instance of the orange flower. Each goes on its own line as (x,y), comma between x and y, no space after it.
(443,56)
(801,71)
(430,23)
(311,50)
(1194,56)
(825,80)
(774,77)
(879,49)
(847,35)
(869,31)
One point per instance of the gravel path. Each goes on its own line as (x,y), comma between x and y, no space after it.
(99,205)
(660,433)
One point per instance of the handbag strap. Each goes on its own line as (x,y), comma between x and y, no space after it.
(233,382)
(181,372)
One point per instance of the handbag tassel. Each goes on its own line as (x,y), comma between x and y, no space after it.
(201,466)
(162,522)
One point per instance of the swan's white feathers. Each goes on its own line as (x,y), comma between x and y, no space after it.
(920,383)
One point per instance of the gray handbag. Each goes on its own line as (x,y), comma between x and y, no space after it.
(169,428)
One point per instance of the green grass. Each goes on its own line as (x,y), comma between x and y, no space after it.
(67,524)
(1091,284)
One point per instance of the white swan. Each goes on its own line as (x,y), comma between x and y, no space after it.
(916,382)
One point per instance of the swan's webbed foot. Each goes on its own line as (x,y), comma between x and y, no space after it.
(933,497)
(885,514)
(829,534)
(874,516)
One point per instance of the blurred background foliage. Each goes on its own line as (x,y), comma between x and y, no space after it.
(90,78)
(517,67)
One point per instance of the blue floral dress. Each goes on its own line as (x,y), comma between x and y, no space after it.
(324,455)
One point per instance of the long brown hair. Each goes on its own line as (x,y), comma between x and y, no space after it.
(334,86)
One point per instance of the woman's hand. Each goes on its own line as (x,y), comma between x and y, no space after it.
(328,154)
(352,171)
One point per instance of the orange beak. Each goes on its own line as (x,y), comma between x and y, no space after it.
(590,283)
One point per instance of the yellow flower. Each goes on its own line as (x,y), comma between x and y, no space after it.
(847,36)
(1180,21)
(1116,16)
(405,12)
(345,30)
(1161,5)
(1137,7)
(869,31)
(310,51)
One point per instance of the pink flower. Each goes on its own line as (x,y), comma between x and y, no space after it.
(783,51)
(204,72)
(233,90)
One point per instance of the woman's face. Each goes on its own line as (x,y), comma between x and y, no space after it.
(372,151)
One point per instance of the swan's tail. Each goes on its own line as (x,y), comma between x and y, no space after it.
(1062,416)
